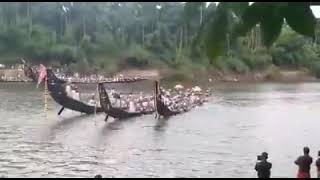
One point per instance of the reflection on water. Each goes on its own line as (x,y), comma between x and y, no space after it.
(161,124)
(219,139)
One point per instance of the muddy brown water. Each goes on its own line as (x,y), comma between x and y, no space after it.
(220,139)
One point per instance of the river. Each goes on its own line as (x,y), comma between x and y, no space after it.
(219,139)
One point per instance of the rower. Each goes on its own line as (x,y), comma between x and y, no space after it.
(132,107)
(68,90)
(115,96)
(76,94)
(92,102)
(112,91)
(98,176)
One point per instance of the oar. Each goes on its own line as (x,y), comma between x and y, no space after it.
(60,111)
(45,96)
(156,92)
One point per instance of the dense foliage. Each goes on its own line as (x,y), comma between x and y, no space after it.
(109,36)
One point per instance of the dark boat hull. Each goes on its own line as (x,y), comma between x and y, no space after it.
(57,91)
(56,88)
(116,113)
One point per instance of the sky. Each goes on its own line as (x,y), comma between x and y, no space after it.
(315,9)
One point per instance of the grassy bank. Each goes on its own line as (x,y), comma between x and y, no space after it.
(271,74)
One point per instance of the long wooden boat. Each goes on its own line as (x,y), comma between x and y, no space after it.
(57,91)
(114,112)
(161,108)
(56,88)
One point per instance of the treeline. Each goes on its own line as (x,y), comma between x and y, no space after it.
(110,36)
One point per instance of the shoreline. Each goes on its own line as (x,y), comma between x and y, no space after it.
(272,75)
(278,76)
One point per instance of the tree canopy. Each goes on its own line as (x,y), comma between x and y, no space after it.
(269,16)
(186,37)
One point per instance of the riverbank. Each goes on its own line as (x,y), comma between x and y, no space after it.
(13,75)
(272,74)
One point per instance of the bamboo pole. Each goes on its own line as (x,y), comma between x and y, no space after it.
(96,100)
(45,97)
(156,93)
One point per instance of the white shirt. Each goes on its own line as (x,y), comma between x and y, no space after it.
(145,104)
(76,95)
(92,102)
(165,99)
(192,98)
(132,107)
(68,90)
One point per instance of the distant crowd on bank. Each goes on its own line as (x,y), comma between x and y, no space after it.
(93,78)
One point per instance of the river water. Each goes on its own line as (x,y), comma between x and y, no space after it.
(219,139)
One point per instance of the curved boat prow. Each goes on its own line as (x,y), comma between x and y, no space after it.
(161,108)
(58,93)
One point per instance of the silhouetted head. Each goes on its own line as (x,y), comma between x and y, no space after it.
(98,176)
(306,150)
(264,155)
(318,153)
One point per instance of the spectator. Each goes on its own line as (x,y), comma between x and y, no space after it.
(318,165)
(304,163)
(263,167)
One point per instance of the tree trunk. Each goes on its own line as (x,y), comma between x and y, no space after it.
(84,26)
(66,24)
(29,14)
(16,13)
(316,39)
(142,35)
(201,11)
(124,36)
(180,43)
(228,45)
(152,27)
(258,37)
(185,36)
(176,41)
(252,39)
(248,40)
(181,39)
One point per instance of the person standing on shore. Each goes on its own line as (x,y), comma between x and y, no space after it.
(304,163)
(318,165)
(263,167)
